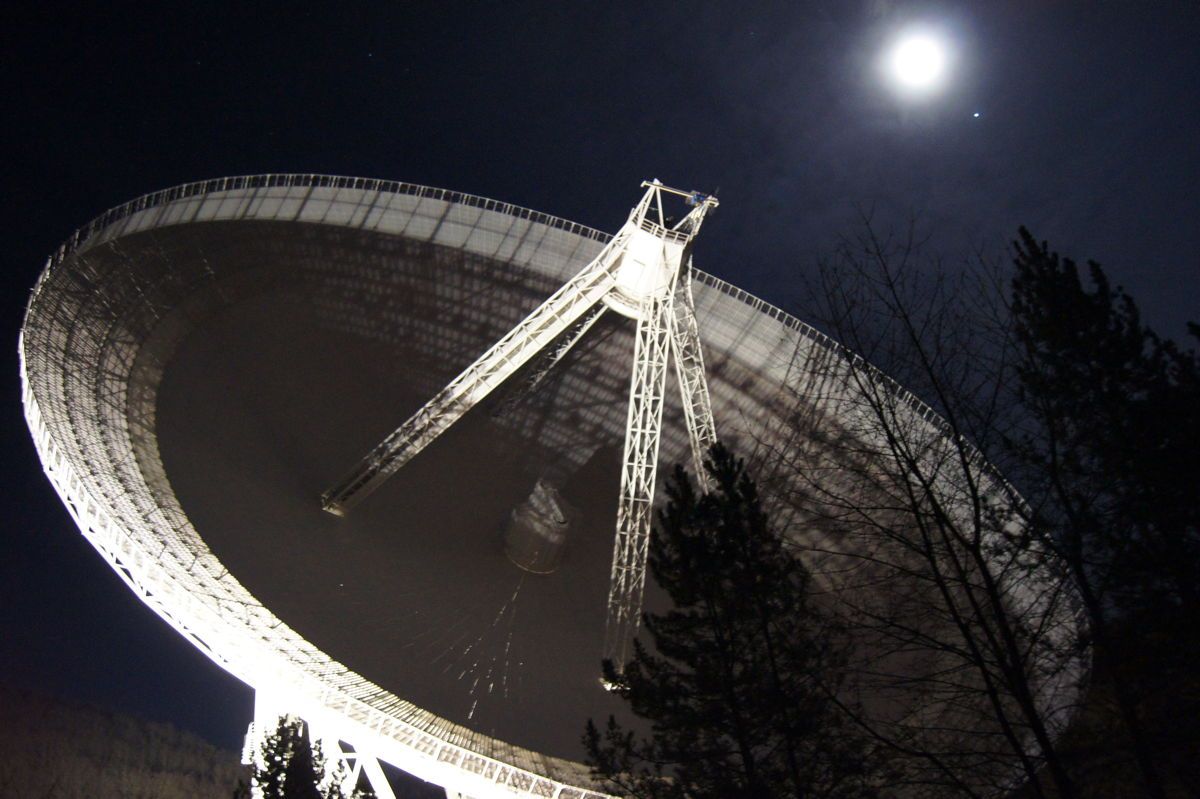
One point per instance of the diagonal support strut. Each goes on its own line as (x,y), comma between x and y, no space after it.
(689,369)
(550,359)
(531,335)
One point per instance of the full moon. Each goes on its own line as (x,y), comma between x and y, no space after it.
(917,62)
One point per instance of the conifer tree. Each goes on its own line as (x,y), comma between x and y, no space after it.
(293,768)
(1112,466)
(737,685)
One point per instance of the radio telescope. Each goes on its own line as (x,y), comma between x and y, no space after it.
(200,364)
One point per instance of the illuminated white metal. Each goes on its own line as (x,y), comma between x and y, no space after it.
(635,509)
(349,764)
(267,714)
(530,336)
(638,275)
(689,369)
(109,489)
(110,494)
(551,359)
(345,765)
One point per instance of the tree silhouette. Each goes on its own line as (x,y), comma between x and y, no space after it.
(292,767)
(738,684)
(966,659)
(1082,547)
(1111,456)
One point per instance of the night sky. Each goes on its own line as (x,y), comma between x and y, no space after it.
(1078,120)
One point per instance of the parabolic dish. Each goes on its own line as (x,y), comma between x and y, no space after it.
(201,363)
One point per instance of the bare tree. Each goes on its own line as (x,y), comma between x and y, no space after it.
(969,661)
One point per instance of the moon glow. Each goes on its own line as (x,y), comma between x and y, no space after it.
(917,62)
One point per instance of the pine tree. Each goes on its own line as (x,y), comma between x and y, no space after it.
(1112,466)
(1117,429)
(293,768)
(738,687)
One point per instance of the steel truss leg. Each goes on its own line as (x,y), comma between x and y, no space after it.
(689,369)
(267,713)
(355,764)
(535,332)
(635,510)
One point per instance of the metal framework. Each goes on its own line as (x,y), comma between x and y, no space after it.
(551,358)
(350,764)
(89,397)
(644,273)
